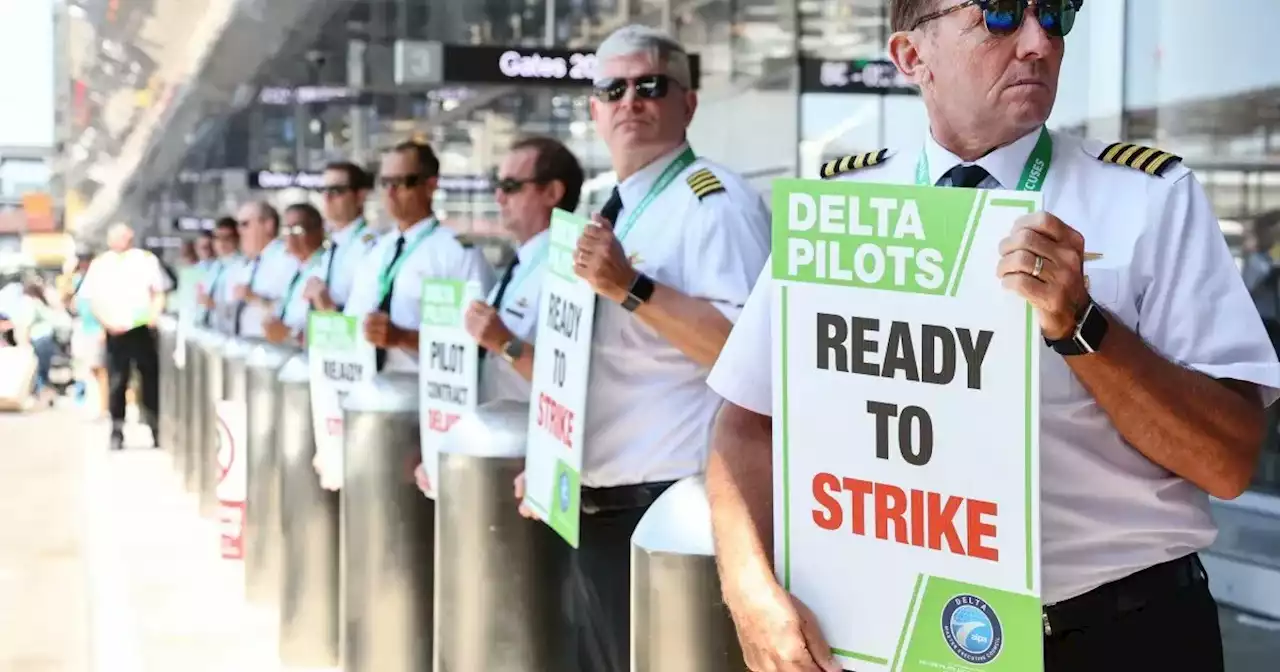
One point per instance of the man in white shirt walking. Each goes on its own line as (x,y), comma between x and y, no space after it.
(125,289)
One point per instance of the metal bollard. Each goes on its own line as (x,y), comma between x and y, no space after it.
(192,431)
(388,532)
(309,530)
(208,350)
(230,487)
(262,497)
(679,622)
(165,329)
(498,604)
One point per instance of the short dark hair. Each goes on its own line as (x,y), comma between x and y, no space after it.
(903,14)
(310,216)
(227,223)
(425,158)
(205,235)
(357,178)
(554,161)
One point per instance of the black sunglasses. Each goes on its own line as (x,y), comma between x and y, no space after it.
(511,185)
(649,87)
(403,181)
(1004,17)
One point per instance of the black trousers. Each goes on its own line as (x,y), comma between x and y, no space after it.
(134,349)
(597,589)
(1177,630)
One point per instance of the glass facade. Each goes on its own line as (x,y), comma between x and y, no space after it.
(784,85)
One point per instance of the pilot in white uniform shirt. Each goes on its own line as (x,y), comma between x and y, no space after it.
(293,308)
(1158,264)
(346,252)
(267,276)
(518,310)
(431,251)
(649,410)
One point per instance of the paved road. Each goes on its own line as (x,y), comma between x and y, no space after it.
(114,532)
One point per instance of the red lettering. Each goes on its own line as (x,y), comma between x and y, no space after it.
(833,515)
(942,523)
(891,506)
(441,422)
(926,520)
(557,419)
(859,490)
(978,529)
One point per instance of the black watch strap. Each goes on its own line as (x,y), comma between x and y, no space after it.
(641,290)
(1091,328)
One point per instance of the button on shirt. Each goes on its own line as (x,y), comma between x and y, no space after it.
(119,287)
(649,410)
(346,252)
(441,255)
(519,313)
(275,268)
(1166,273)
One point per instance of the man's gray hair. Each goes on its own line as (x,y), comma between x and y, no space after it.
(664,49)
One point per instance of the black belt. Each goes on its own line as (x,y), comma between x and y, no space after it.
(1109,601)
(622,497)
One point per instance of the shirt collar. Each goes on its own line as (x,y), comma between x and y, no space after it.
(343,235)
(530,247)
(413,231)
(636,187)
(1005,163)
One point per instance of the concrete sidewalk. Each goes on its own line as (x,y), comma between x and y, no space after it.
(44,606)
(164,598)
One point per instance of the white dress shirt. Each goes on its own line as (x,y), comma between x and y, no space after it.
(346,252)
(268,277)
(119,287)
(519,313)
(1166,273)
(649,410)
(440,255)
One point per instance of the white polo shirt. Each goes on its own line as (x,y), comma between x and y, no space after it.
(649,410)
(1166,273)
(519,313)
(268,276)
(440,254)
(119,287)
(346,252)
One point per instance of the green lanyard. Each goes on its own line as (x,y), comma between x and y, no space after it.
(1033,174)
(297,278)
(679,164)
(388,276)
(525,270)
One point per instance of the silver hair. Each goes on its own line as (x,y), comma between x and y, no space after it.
(664,49)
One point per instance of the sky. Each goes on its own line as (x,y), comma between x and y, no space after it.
(26,70)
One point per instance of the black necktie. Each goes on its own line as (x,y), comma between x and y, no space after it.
(612,207)
(380,357)
(241,306)
(968,177)
(505,282)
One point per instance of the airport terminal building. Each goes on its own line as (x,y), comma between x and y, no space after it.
(174,111)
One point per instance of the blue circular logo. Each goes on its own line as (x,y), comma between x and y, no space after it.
(564,490)
(972,629)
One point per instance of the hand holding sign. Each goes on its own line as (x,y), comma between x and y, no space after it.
(484,325)
(600,260)
(316,293)
(779,633)
(378,330)
(1042,260)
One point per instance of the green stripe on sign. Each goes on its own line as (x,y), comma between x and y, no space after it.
(899,238)
(908,621)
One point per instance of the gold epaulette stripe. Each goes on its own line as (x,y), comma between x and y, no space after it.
(704,183)
(852,162)
(1149,160)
